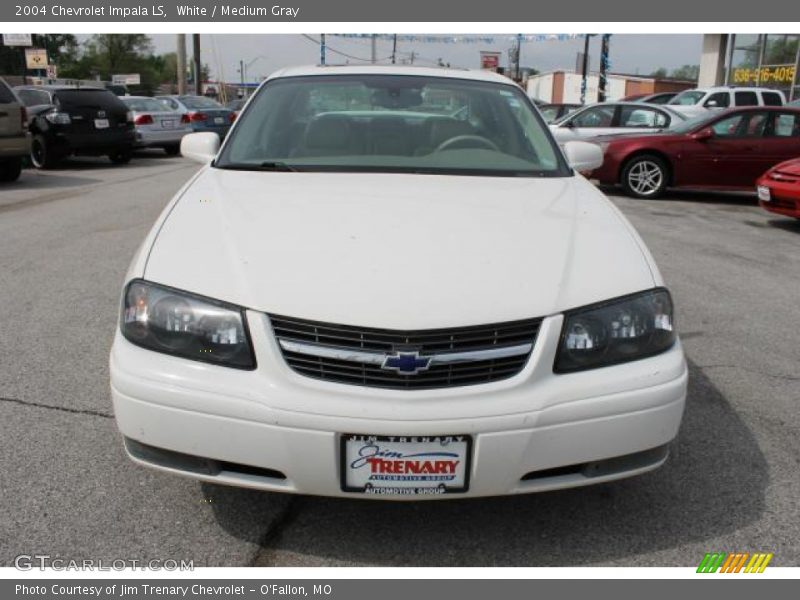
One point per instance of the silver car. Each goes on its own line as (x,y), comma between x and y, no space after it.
(157,126)
(610,118)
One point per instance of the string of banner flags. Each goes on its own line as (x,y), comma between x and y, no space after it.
(463,39)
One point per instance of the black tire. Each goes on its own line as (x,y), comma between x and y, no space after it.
(10,169)
(173,149)
(121,157)
(42,155)
(645,176)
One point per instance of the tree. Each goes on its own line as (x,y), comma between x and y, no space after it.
(62,49)
(690,72)
(659,73)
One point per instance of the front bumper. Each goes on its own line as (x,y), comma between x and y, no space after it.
(785,197)
(272,429)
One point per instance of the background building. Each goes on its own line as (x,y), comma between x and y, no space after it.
(565,86)
(751,59)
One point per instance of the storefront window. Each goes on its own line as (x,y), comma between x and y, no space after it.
(765,60)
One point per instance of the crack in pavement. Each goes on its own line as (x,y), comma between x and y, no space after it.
(75,411)
(751,370)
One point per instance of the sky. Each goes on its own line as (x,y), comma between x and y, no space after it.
(263,54)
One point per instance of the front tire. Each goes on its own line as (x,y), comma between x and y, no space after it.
(645,176)
(10,170)
(42,156)
(121,157)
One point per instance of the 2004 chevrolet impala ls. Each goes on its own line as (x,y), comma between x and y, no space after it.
(392,283)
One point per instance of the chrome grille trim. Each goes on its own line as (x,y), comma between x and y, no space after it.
(373,357)
(377,358)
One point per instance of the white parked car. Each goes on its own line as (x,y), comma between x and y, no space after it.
(694,102)
(391,283)
(614,118)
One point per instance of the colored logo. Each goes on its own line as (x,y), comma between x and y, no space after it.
(406,363)
(735,562)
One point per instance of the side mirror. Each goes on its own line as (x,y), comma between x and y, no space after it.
(712,104)
(583,156)
(200,147)
(706,133)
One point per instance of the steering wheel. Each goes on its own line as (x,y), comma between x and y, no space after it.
(485,142)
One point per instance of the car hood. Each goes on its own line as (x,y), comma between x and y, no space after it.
(790,167)
(400,251)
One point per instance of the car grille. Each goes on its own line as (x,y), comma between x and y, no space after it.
(354,355)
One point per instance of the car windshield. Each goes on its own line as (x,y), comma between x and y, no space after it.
(689,98)
(85,97)
(144,104)
(199,102)
(392,123)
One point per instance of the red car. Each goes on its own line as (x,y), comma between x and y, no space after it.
(726,150)
(779,189)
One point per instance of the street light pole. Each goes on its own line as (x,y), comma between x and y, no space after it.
(198,83)
(181,67)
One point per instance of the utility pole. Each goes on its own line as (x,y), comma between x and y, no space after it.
(604,63)
(322,49)
(517,63)
(198,80)
(181,75)
(374,55)
(585,70)
(394,48)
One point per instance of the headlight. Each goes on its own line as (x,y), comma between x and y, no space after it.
(182,324)
(616,331)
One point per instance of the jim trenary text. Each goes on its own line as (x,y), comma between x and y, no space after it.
(122,590)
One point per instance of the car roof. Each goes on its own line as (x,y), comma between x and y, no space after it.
(472,75)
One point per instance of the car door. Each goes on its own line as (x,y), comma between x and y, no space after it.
(593,121)
(11,119)
(782,138)
(730,156)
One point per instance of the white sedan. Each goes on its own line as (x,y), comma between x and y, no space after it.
(389,282)
(615,118)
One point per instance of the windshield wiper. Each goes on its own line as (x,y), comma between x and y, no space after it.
(268,165)
(271,165)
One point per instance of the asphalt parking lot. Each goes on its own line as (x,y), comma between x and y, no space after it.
(731,484)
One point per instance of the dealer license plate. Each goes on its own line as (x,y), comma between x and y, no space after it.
(168,124)
(405,465)
(219,120)
(763,193)
(101,123)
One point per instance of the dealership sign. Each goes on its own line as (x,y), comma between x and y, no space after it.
(490,60)
(17,39)
(36,58)
(126,79)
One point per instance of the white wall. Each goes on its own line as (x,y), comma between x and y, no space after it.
(615,88)
(541,87)
(712,61)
